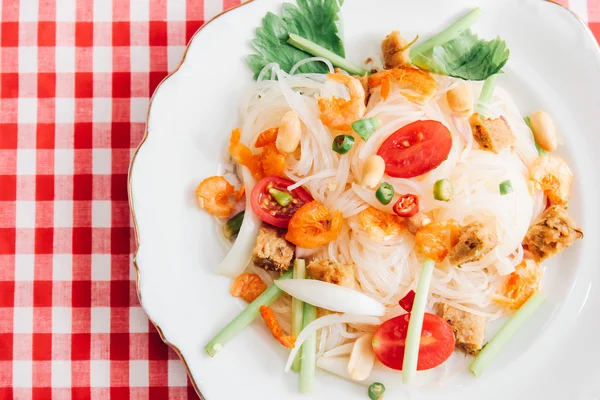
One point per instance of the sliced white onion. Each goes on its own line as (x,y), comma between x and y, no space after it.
(343,350)
(362,358)
(323,322)
(339,366)
(240,254)
(331,297)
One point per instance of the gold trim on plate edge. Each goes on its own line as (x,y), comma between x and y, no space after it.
(135,227)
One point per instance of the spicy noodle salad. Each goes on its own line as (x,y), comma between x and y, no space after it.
(382,215)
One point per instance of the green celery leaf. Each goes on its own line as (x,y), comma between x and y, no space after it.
(466,57)
(315,20)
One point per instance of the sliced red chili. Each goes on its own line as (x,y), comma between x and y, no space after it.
(407,206)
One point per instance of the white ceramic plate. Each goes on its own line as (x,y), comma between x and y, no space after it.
(554,65)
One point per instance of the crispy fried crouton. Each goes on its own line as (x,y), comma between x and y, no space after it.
(272,251)
(474,242)
(332,272)
(552,233)
(469,329)
(492,134)
(395,51)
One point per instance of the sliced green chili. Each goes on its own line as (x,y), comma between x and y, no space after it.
(385,193)
(232,227)
(505,187)
(376,390)
(365,127)
(442,190)
(342,144)
(282,198)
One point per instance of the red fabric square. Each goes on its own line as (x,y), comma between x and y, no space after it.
(46,84)
(80,346)
(120,240)
(44,214)
(119,346)
(157,393)
(7,294)
(155,78)
(41,393)
(80,393)
(44,187)
(7,240)
(44,161)
(6,346)
(84,84)
(595,27)
(42,346)
(8,138)
(82,241)
(157,348)
(83,135)
(158,33)
(119,187)
(119,318)
(120,33)
(81,320)
(44,240)
(121,84)
(119,393)
(45,136)
(120,135)
(83,161)
(9,32)
(101,293)
(6,393)
(46,33)
(82,293)
(42,293)
(9,83)
(120,213)
(8,187)
(119,293)
(84,34)
(190,29)
(158,373)
(82,187)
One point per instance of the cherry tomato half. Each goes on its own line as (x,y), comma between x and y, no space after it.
(407,206)
(267,209)
(437,342)
(416,149)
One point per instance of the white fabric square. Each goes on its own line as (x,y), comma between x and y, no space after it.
(101,267)
(63,213)
(99,373)
(28,12)
(103,11)
(62,267)
(176,10)
(212,8)
(23,320)
(64,161)
(101,161)
(61,320)
(140,10)
(65,59)
(61,374)
(138,373)
(580,7)
(174,56)
(138,321)
(177,373)
(26,162)
(102,58)
(101,216)
(65,11)
(25,217)
(24,267)
(22,372)
(138,109)
(100,317)
(140,58)
(27,109)
(65,109)
(28,58)
(102,109)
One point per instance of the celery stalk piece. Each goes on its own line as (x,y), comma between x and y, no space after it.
(308,352)
(447,34)
(245,318)
(415,324)
(318,51)
(297,308)
(486,95)
(494,346)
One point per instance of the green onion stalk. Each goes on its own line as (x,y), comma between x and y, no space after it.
(298,308)
(486,95)
(365,127)
(308,352)
(494,346)
(245,318)
(415,324)
(319,51)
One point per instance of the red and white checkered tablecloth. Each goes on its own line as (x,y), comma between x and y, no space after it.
(75,80)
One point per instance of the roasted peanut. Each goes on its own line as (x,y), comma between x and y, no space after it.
(289,133)
(373,170)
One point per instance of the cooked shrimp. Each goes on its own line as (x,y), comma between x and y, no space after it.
(436,239)
(339,113)
(243,155)
(215,195)
(416,85)
(314,225)
(270,162)
(552,175)
(248,287)
(267,137)
(521,285)
(379,224)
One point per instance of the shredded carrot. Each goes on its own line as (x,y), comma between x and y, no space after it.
(269,317)
(267,137)
(248,287)
(243,155)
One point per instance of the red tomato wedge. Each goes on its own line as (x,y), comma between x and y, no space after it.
(416,149)
(437,342)
(407,301)
(267,209)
